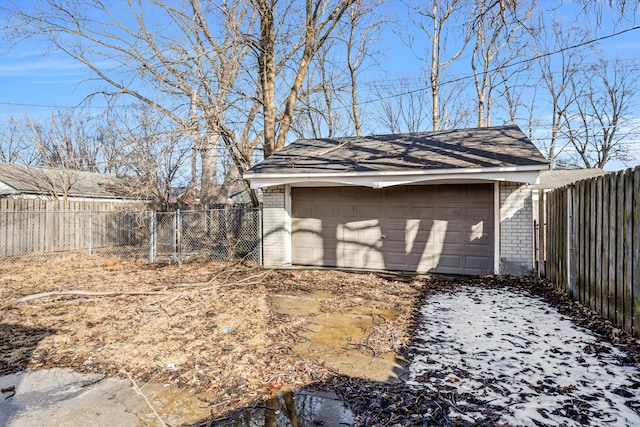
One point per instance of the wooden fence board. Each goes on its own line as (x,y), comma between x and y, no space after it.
(575,240)
(587,247)
(591,278)
(585,242)
(577,237)
(619,213)
(597,261)
(636,251)
(613,225)
(606,295)
(3,227)
(579,241)
(628,250)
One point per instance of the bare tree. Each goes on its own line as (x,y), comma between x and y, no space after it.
(195,62)
(434,21)
(154,157)
(407,113)
(183,60)
(405,106)
(13,146)
(139,147)
(361,32)
(59,148)
(594,9)
(499,31)
(319,113)
(601,119)
(557,73)
(320,18)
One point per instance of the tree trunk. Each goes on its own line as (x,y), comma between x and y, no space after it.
(209,193)
(267,74)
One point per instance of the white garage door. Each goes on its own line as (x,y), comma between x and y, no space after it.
(435,228)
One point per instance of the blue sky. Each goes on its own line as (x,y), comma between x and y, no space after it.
(35,82)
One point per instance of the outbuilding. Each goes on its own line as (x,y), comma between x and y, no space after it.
(455,202)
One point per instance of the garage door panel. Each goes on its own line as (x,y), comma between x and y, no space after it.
(371,211)
(348,211)
(440,228)
(450,261)
(477,263)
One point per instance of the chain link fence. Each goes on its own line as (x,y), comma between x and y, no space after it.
(221,234)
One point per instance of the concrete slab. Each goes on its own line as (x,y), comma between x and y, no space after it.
(63,397)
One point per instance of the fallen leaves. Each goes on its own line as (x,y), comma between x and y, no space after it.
(204,327)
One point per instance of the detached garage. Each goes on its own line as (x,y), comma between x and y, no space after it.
(456,202)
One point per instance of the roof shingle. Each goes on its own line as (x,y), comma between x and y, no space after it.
(503,146)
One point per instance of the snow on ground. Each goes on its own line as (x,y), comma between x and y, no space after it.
(508,353)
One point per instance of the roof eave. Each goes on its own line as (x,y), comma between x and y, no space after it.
(525,174)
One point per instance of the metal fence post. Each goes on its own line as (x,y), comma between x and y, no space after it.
(152,236)
(259,236)
(179,234)
(176,236)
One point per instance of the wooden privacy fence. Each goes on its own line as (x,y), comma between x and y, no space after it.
(46,226)
(593,245)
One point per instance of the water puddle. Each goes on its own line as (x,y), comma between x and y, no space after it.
(339,338)
(292,408)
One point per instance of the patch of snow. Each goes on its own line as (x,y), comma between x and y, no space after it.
(493,349)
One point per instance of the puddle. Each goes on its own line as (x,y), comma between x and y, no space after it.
(335,337)
(289,408)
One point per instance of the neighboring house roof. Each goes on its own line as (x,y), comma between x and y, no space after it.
(184,194)
(242,197)
(557,178)
(493,153)
(30,180)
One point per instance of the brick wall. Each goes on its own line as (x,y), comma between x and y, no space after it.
(516,229)
(276,227)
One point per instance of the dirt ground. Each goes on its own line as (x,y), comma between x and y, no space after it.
(206,328)
(214,330)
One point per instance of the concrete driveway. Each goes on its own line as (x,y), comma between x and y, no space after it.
(64,398)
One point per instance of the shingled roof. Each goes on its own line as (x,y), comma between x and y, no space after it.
(30,180)
(462,148)
(469,150)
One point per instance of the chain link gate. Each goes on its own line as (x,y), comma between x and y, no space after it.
(221,234)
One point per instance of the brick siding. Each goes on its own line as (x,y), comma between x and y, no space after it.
(276,227)
(516,229)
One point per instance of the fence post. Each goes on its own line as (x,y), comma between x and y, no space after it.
(542,224)
(259,236)
(90,233)
(177,241)
(571,251)
(153,239)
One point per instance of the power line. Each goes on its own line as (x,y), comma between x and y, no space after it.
(400,80)
(513,64)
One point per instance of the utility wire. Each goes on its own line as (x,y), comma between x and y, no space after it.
(455,80)
(513,64)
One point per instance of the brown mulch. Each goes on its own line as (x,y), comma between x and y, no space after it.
(204,327)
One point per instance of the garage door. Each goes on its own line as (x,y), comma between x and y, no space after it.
(435,228)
